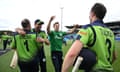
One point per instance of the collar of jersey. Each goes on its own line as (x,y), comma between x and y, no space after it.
(35,31)
(98,23)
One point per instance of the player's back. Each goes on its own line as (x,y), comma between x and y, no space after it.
(103,47)
(27,46)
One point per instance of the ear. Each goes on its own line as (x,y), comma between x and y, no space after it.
(92,14)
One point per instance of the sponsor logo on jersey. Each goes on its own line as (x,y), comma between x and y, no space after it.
(82,33)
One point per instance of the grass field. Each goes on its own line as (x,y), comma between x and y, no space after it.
(6,58)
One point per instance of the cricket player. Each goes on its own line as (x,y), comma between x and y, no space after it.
(27,47)
(5,37)
(56,41)
(103,46)
(40,33)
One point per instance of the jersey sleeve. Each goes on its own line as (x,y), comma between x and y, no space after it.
(64,33)
(84,35)
(51,33)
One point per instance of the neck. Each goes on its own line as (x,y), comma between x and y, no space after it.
(94,19)
(26,29)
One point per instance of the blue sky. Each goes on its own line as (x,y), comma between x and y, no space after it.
(74,11)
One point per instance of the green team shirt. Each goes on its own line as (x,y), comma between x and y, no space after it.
(41,34)
(104,44)
(26,46)
(56,39)
(5,37)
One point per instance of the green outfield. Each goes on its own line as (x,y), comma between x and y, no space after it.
(6,58)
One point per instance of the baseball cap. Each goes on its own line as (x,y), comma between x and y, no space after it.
(39,22)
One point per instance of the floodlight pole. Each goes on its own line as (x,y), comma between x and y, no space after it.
(61,17)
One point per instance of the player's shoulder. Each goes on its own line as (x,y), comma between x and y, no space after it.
(15,33)
(30,33)
(95,24)
(86,26)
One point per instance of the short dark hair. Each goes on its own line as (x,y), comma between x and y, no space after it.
(99,10)
(25,23)
(55,23)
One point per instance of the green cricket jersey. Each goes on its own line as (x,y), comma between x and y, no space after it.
(5,37)
(26,46)
(41,34)
(103,46)
(56,39)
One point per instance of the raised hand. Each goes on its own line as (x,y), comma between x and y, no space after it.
(52,18)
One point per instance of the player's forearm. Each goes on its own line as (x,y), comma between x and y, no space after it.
(71,55)
(18,30)
(68,62)
(49,24)
(48,27)
(47,42)
(41,40)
